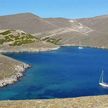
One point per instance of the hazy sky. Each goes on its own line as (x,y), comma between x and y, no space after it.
(55,8)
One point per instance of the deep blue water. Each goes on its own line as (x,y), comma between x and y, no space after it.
(67,72)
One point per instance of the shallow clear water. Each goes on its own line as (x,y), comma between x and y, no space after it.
(67,72)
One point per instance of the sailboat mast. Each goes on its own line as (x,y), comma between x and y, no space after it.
(101,77)
(101,80)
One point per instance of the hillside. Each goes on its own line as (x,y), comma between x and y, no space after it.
(80,102)
(60,22)
(10,70)
(27,22)
(90,32)
(20,41)
(98,23)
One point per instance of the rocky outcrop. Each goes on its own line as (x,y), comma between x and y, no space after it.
(14,78)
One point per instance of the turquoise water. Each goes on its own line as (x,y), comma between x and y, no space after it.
(67,72)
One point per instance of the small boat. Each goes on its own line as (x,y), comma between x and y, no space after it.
(101,80)
(80,47)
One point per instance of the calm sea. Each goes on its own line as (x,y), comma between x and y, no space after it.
(67,72)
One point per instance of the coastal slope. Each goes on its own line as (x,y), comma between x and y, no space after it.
(10,70)
(81,102)
(20,41)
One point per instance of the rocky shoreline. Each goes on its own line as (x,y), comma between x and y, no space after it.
(14,78)
(22,68)
(28,50)
(85,46)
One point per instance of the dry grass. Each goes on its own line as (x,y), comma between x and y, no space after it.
(82,102)
(7,67)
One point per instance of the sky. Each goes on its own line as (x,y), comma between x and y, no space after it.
(55,8)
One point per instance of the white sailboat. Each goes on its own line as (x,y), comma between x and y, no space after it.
(101,80)
(80,47)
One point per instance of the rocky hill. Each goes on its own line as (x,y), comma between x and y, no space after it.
(98,23)
(27,22)
(80,32)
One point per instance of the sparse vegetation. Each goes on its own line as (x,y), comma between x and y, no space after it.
(2,41)
(9,38)
(17,39)
(7,67)
(5,32)
(23,39)
(52,40)
(21,42)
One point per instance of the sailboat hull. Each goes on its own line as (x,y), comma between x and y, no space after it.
(103,84)
(80,47)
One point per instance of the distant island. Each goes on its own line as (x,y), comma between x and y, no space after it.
(27,32)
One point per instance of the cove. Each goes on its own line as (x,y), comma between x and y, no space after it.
(64,73)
